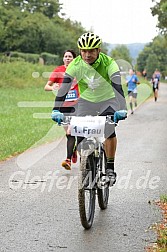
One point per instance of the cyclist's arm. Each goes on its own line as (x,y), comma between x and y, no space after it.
(116,83)
(62,92)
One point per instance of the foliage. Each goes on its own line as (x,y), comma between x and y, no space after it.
(49,8)
(43,58)
(134,49)
(160,9)
(121,52)
(25,27)
(50,59)
(151,64)
(141,60)
(29,57)
(154,56)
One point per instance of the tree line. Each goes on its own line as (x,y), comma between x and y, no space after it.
(38,26)
(154,54)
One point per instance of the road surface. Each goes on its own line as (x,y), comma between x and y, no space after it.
(39,207)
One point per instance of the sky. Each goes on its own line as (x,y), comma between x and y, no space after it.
(115,21)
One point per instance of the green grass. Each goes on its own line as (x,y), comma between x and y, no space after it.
(20,74)
(21,128)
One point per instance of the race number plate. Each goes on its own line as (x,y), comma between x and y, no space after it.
(88,126)
(71,96)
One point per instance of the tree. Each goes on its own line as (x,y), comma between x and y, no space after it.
(49,8)
(159,47)
(11,31)
(142,58)
(160,9)
(151,64)
(35,32)
(121,52)
(157,51)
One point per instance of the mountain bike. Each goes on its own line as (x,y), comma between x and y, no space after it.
(92,175)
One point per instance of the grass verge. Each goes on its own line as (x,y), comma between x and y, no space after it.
(20,129)
(22,96)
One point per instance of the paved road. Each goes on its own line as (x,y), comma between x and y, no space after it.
(38,205)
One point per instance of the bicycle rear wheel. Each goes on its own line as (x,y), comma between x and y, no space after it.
(86,191)
(103,188)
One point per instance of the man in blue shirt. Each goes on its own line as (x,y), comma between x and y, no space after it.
(132,82)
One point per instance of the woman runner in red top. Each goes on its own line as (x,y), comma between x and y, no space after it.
(54,83)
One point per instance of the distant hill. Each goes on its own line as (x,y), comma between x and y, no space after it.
(134,48)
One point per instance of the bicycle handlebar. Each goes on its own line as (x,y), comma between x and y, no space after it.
(67,119)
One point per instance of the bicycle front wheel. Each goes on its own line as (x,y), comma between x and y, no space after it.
(103,188)
(86,191)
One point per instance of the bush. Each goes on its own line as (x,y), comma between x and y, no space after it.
(50,59)
(13,59)
(29,57)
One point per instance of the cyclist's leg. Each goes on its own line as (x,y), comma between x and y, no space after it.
(110,145)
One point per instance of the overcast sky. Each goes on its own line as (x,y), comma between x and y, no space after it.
(116,21)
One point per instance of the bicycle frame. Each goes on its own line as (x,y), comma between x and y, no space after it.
(92,177)
(95,147)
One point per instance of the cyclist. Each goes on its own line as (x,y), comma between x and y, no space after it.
(132,82)
(54,83)
(100,89)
